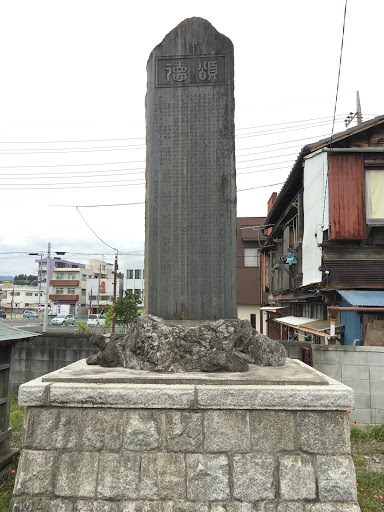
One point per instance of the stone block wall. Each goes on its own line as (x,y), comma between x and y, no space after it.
(362,369)
(44,354)
(155,448)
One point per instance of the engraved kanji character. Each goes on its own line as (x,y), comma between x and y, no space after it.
(179,72)
(202,70)
(212,70)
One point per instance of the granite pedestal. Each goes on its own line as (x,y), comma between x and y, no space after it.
(274,439)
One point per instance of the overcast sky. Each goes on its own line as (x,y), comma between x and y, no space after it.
(72,119)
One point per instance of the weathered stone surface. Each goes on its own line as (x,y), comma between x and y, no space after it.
(142,430)
(34,393)
(35,473)
(233,506)
(112,467)
(49,428)
(162,475)
(141,506)
(40,504)
(297,477)
(121,395)
(253,477)
(225,345)
(227,431)
(323,432)
(190,239)
(183,431)
(336,478)
(207,477)
(101,430)
(185,506)
(331,507)
(293,506)
(95,506)
(77,474)
(272,431)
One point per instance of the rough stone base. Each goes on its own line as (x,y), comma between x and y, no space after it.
(126,447)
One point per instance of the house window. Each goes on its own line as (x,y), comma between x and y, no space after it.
(137,274)
(83,292)
(251,257)
(130,291)
(130,274)
(29,294)
(59,291)
(84,277)
(71,291)
(59,275)
(72,276)
(374,190)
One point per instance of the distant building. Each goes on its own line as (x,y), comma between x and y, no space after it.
(249,241)
(20,297)
(134,277)
(55,263)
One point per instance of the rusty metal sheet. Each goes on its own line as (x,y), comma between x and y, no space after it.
(346,196)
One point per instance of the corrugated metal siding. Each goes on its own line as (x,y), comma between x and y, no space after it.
(353,253)
(346,196)
(355,274)
(363,297)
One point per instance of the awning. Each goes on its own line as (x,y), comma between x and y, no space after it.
(294,321)
(310,325)
(368,298)
(272,309)
(320,325)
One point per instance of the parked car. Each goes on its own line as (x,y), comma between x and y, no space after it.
(63,319)
(28,313)
(97,320)
(3,313)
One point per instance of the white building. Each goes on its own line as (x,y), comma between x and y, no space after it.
(20,297)
(134,277)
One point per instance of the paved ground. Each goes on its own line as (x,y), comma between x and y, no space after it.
(36,325)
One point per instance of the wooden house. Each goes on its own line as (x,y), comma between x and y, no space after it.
(326,240)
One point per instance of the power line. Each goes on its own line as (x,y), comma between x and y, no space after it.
(334,110)
(96,235)
(262,186)
(94,205)
(118,184)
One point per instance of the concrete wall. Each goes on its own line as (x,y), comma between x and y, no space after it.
(244,312)
(47,353)
(361,368)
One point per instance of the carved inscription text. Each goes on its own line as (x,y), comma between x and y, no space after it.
(191,70)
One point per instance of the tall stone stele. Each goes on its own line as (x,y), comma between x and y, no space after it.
(190,248)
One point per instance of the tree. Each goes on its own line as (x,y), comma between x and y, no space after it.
(127,309)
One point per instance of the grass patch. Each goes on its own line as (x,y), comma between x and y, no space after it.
(16,416)
(370,489)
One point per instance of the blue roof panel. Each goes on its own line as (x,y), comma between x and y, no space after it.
(364,297)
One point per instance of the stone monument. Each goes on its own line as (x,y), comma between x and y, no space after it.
(190,242)
(144,439)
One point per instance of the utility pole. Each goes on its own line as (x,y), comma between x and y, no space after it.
(48,276)
(357,114)
(98,291)
(359,117)
(114,294)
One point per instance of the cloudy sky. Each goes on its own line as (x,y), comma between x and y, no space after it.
(72,119)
